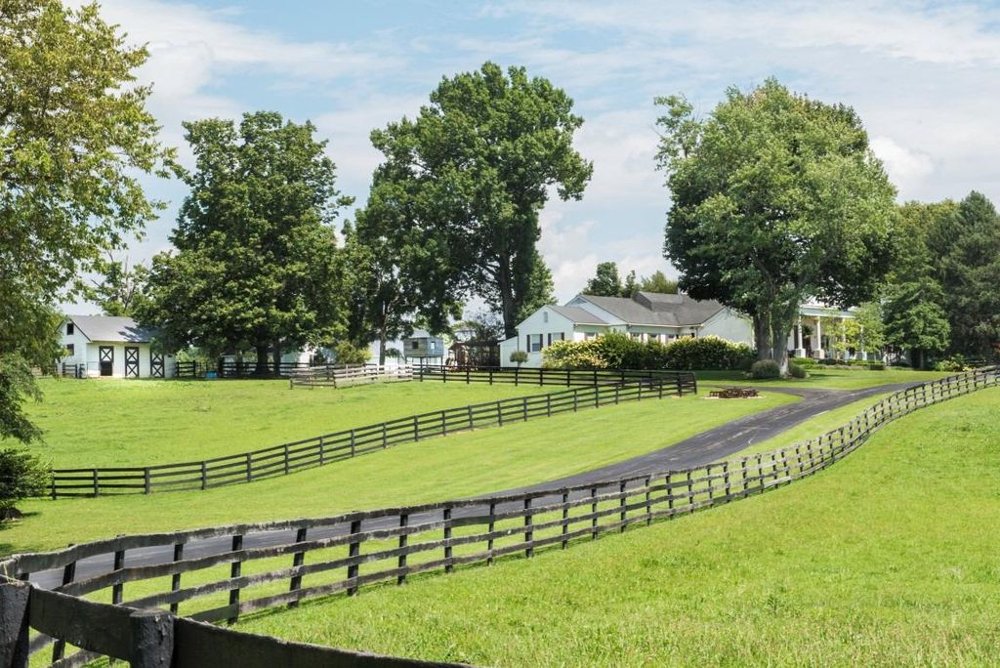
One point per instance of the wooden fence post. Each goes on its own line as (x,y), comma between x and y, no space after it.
(96,484)
(448,566)
(529,532)
(249,465)
(175,580)
(593,514)
(297,560)
(235,569)
(146,481)
(622,506)
(152,639)
(14,601)
(353,550)
(565,518)
(116,589)
(649,503)
(490,529)
(404,520)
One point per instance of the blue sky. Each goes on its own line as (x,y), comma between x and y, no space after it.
(925,78)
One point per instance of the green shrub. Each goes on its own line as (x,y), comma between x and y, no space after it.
(803,361)
(797,370)
(519,357)
(21,475)
(346,352)
(954,363)
(573,355)
(765,369)
(708,353)
(621,351)
(876,366)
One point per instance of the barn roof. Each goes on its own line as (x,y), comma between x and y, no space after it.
(111,328)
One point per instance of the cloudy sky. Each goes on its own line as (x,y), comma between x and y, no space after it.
(925,78)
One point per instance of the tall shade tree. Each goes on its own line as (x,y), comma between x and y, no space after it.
(775,198)
(255,246)
(74,139)
(468,178)
(966,251)
(606,281)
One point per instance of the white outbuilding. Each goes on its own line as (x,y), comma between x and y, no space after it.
(111,347)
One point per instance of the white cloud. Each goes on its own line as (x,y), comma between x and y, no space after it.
(906,168)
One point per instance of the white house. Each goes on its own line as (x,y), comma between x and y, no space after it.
(112,347)
(650,316)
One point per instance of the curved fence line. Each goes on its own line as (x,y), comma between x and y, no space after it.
(268,566)
(596,389)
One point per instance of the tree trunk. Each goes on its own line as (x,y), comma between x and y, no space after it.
(382,340)
(507,306)
(276,358)
(762,337)
(260,369)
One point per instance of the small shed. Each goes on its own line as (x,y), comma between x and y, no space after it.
(423,347)
(111,347)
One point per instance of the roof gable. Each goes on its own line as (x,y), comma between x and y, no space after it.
(650,308)
(113,329)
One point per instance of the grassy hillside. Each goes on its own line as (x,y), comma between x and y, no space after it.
(461,464)
(146,422)
(888,558)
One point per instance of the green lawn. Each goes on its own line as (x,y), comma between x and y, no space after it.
(457,465)
(825,377)
(147,422)
(887,558)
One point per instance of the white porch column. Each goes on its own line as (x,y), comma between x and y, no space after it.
(800,350)
(818,345)
(843,337)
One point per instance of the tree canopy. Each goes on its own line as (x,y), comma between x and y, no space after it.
(775,198)
(464,183)
(75,138)
(607,282)
(255,263)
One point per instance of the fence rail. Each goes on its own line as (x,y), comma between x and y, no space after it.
(329,448)
(281,563)
(345,375)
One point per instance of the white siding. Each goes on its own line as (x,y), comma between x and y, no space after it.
(544,323)
(728,325)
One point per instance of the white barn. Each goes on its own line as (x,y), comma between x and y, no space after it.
(111,347)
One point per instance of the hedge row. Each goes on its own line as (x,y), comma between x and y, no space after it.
(619,351)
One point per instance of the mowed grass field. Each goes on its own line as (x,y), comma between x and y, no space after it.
(461,464)
(854,378)
(887,558)
(147,422)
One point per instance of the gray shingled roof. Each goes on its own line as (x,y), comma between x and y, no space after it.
(650,308)
(111,328)
(577,315)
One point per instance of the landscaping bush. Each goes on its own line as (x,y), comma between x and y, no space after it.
(765,369)
(708,352)
(21,475)
(573,355)
(803,361)
(876,366)
(954,363)
(797,370)
(620,351)
(519,357)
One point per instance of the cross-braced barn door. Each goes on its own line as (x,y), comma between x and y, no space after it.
(106,359)
(131,362)
(156,365)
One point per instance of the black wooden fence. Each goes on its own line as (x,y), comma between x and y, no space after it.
(235,370)
(281,563)
(329,448)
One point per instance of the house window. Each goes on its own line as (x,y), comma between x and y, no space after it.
(534,343)
(69,329)
(545,316)
(414,344)
(558,336)
(69,349)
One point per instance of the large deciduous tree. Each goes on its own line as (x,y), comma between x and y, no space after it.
(467,179)
(75,138)
(775,198)
(255,262)
(965,252)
